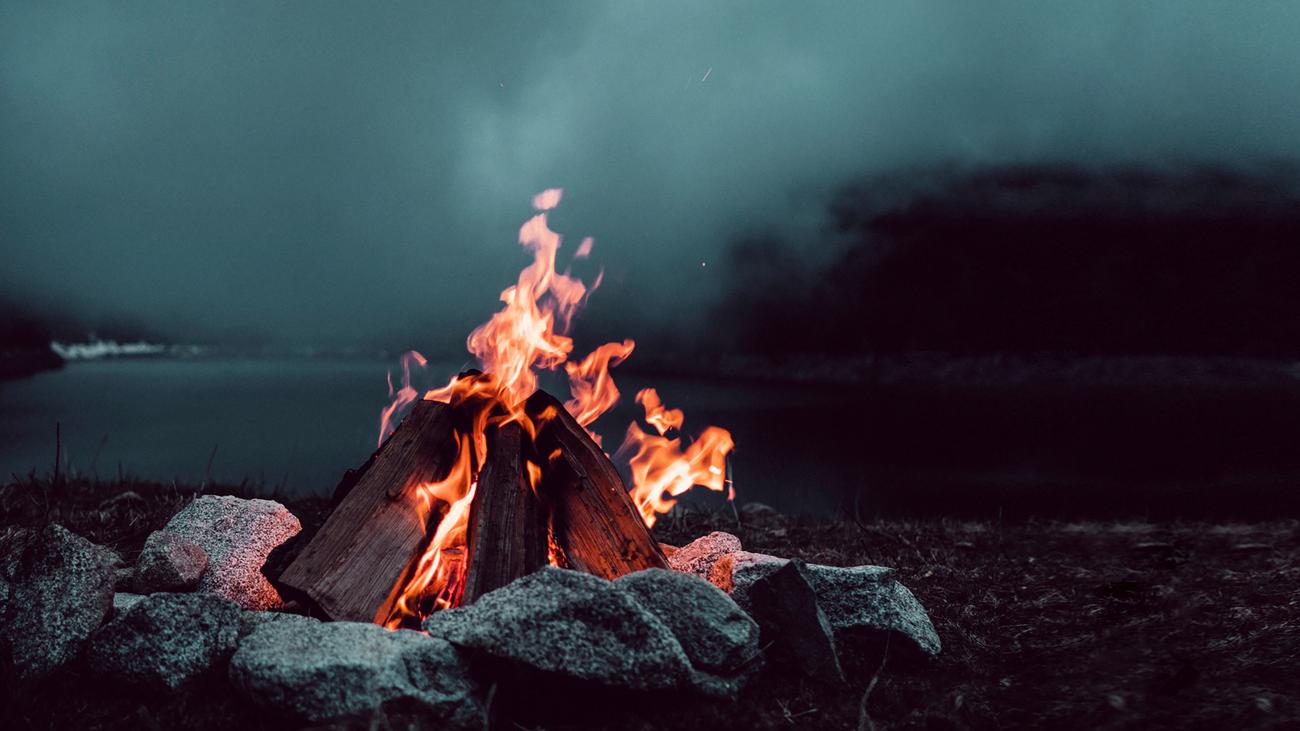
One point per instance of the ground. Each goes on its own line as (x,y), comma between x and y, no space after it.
(1045,624)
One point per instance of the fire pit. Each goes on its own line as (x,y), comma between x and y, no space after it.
(488,548)
(488,479)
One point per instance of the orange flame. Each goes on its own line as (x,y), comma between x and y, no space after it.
(523,334)
(661,418)
(661,470)
(439,574)
(403,397)
(593,389)
(530,332)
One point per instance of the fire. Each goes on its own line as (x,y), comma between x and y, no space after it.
(661,470)
(593,389)
(439,573)
(402,397)
(530,333)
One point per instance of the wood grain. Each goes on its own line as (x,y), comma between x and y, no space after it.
(507,529)
(593,518)
(355,563)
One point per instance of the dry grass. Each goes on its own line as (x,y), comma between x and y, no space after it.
(1044,624)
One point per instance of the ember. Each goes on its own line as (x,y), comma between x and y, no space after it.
(488,478)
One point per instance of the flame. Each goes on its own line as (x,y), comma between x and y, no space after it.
(530,333)
(661,470)
(593,389)
(661,418)
(523,335)
(439,574)
(403,397)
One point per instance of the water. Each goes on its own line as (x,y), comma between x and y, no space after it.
(294,426)
(1158,446)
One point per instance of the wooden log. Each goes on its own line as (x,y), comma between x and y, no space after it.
(593,519)
(507,528)
(355,564)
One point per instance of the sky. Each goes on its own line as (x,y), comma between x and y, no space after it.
(342,174)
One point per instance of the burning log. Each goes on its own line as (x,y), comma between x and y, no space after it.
(593,519)
(507,529)
(357,561)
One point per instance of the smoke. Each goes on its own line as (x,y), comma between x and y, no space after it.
(331,173)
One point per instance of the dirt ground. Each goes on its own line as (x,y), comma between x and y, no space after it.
(1044,625)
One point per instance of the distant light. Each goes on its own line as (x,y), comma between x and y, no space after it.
(704,263)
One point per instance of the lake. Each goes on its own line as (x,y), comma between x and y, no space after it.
(295,425)
(1217,445)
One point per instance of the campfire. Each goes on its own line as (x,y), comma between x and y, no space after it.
(489,478)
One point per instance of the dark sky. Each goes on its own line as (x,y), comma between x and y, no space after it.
(320,172)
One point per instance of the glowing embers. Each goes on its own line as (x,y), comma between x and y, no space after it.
(440,516)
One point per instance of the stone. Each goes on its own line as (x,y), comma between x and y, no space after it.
(761,515)
(60,589)
(857,600)
(736,572)
(327,671)
(237,535)
(168,562)
(717,635)
(165,640)
(569,625)
(786,607)
(250,621)
(123,601)
(698,556)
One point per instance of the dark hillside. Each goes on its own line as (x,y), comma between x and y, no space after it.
(1039,259)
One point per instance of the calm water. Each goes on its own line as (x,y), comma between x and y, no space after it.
(294,426)
(297,425)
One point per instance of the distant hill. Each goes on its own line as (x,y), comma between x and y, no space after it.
(24,343)
(1195,262)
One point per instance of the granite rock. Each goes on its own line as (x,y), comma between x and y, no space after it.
(168,562)
(331,671)
(165,640)
(857,600)
(698,556)
(250,621)
(717,635)
(123,601)
(237,534)
(786,607)
(60,589)
(571,625)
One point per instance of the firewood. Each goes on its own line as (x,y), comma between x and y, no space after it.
(356,563)
(507,529)
(593,519)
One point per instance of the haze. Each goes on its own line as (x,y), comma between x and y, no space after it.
(337,174)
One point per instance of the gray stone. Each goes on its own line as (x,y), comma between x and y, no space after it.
(60,590)
(761,515)
(785,604)
(856,599)
(717,635)
(123,601)
(571,625)
(237,535)
(326,671)
(250,621)
(736,572)
(698,556)
(168,562)
(164,640)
